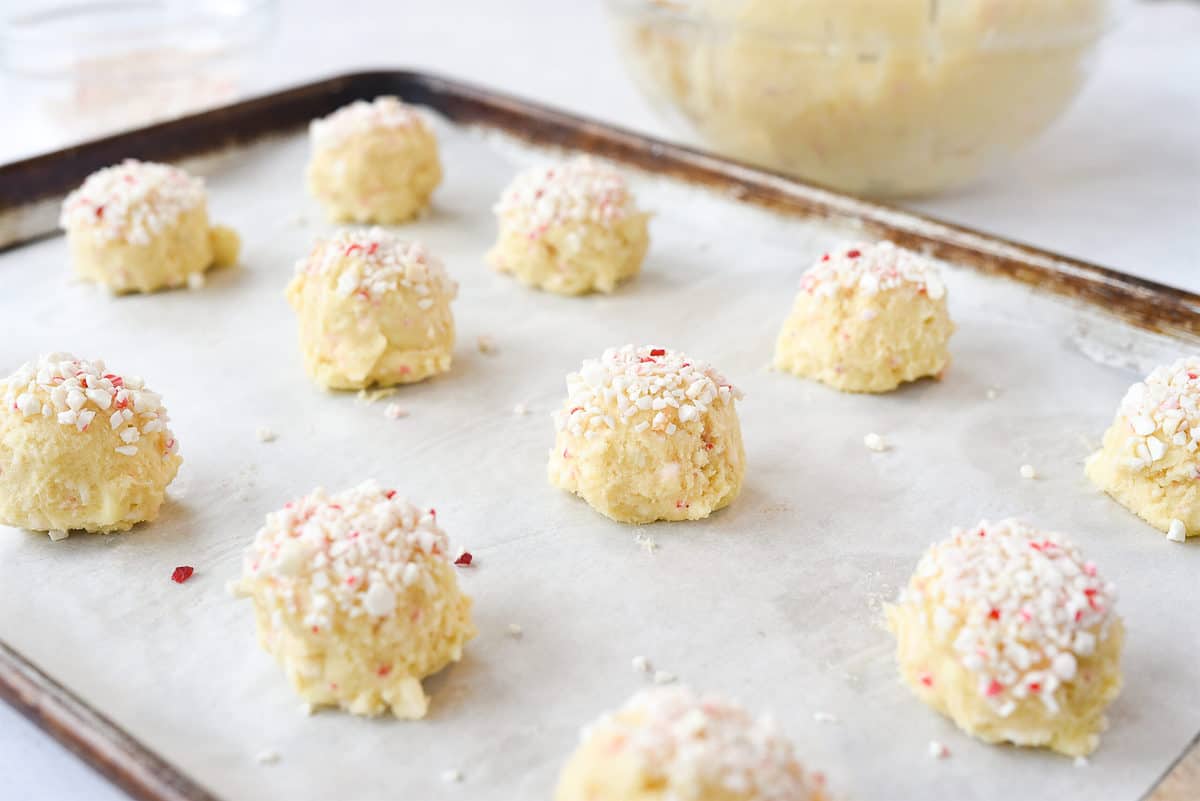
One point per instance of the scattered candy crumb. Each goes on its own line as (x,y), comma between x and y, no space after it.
(992,393)
(664,677)
(394,411)
(641,664)
(520,410)
(486,345)
(646,542)
(182,573)
(265,434)
(1081,762)
(1177,532)
(308,709)
(267,757)
(1027,471)
(195,280)
(938,750)
(824,717)
(515,631)
(874,442)
(464,559)
(58,536)
(452,776)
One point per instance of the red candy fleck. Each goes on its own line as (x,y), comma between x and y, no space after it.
(853,254)
(708,446)
(182,573)
(374,247)
(994,614)
(384,670)
(995,688)
(926,679)
(658,352)
(1034,687)
(645,359)
(464,559)
(389,494)
(825,257)
(353,248)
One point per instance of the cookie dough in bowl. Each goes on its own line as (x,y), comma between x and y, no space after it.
(1148,461)
(649,434)
(140,227)
(570,228)
(373,162)
(672,744)
(373,309)
(1012,634)
(81,448)
(867,318)
(875,97)
(356,597)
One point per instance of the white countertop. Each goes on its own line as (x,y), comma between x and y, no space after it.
(1117,181)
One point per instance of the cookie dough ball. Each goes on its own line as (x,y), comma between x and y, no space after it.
(139,227)
(355,596)
(1148,462)
(373,309)
(1010,633)
(867,319)
(81,448)
(570,228)
(649,434)
(373,162)
(670,743)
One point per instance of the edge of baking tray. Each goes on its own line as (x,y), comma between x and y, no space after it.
(44,180)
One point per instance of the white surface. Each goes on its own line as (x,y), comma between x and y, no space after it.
(795,627)
(1117,181)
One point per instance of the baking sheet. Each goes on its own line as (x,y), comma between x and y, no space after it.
(774,601)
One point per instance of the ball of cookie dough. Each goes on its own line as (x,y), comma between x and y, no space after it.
(357,599)
(81,448)
(867,319)
(670,743)
(1010,633)
(649,434)
(139,227)
(1148,461)
(373,310)
(373,162)
(570,228)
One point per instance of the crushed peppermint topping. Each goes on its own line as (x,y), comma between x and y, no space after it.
(361,117)
(352,553)
(1019,606)
(874,442)
(1163,410)
(1177,531)
(871,269)
(641,387)
(640,664)
(375,262)
(681,739)
(80,394)
(579,190)
(131,201)
(665,677)
(182,573)
(938,750)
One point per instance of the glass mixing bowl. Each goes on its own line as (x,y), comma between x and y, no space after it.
(79,68)
(881,98)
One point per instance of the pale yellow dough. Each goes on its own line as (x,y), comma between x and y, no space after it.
(373,310)
(141,227)
(648,434)
(374,163)
(356,598)
(669,744)
(60,467)
(883,98)
(1148,460)
(867,323)
(965,647)
(571,228)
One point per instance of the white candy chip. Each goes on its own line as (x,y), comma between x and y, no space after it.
(875,442)
(1177,532)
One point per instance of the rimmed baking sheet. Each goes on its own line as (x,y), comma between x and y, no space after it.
(774,601)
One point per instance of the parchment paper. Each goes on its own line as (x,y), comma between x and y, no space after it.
(774,601)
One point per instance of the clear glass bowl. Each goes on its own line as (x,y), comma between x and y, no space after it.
(79,69)
(880,98)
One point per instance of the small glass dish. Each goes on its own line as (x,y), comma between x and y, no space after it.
(880,98)
(82,69)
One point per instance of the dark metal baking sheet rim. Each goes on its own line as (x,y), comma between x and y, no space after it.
(134,766)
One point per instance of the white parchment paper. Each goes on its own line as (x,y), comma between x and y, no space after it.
(774,601)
